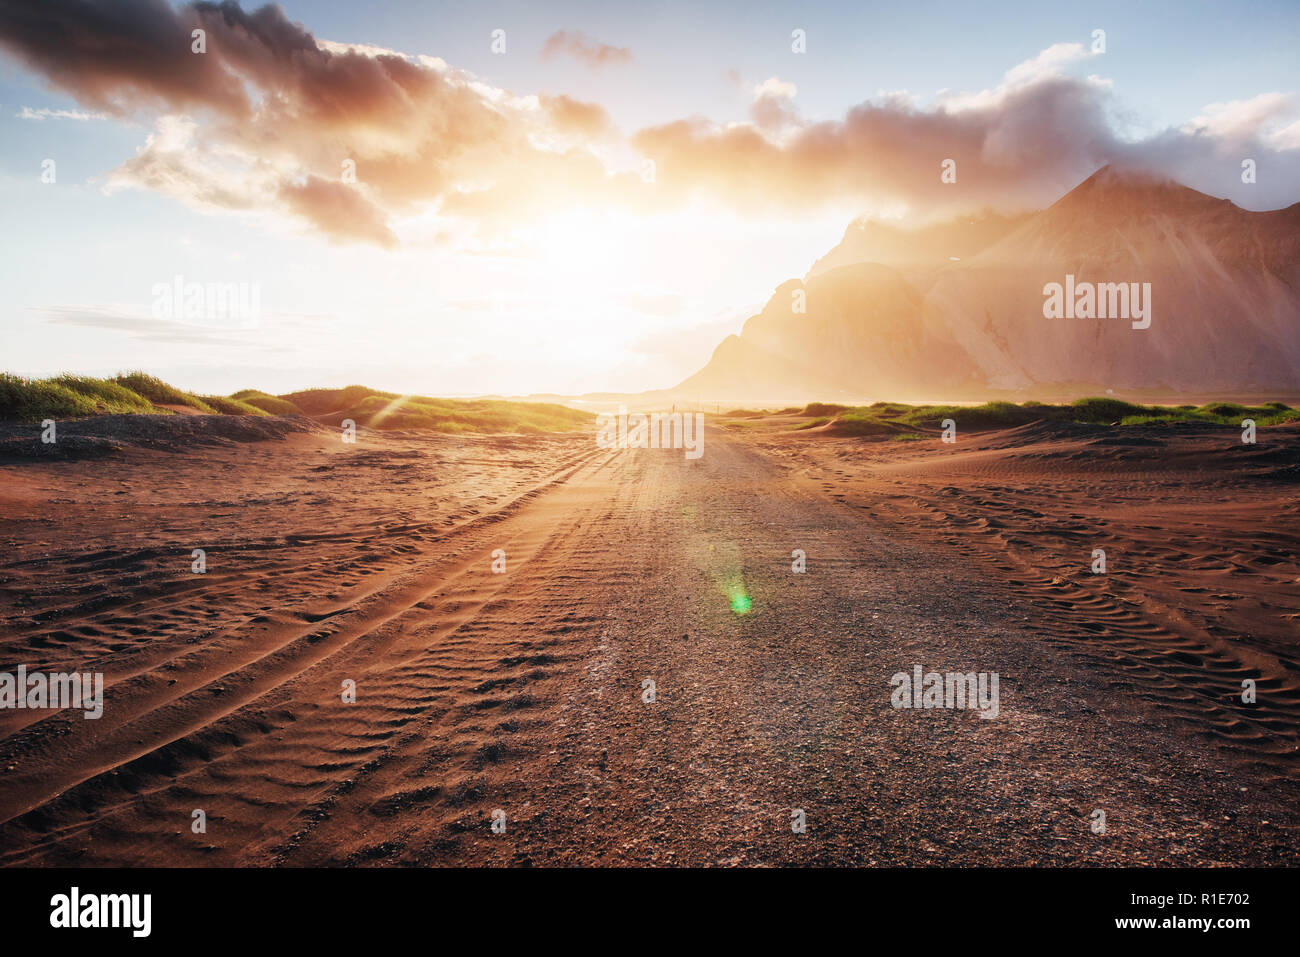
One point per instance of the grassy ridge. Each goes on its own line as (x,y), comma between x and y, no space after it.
(392,410)
(69,396)
(65,396)
(160,393)
(267,404)
(885,417)
(228,405)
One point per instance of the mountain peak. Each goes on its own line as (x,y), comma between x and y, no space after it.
(1113,175)
(1134,189)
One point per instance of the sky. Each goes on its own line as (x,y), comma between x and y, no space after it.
(556,197)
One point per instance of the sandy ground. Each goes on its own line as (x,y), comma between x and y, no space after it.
(523,692)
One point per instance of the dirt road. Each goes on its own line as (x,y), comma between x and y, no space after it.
(525,691)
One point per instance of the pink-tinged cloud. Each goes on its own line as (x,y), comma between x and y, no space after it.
(574,116)
(338,209)
(265,119)
(1019,146)
(582,48)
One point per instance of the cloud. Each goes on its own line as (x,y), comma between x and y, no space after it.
(114,55)
(574,116)
(1019,145)
(136,324)
(1047,63)
(1241,121)
(174,162)
(776,88)
(140,324)
(268,119)
(773,107)
(27,113)
(338,209)
(264,121)
(585,50)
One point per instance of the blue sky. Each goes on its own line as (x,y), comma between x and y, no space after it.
(578,296)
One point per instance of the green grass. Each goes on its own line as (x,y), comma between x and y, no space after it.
(1219,413)
(72,396)
(160,393)
(889,408)
(823,408)
(69,396)
(325,401)
(899,420)
(32,400)
(1098,411)
(990,415)
(393,410)
(66,396)
(268,404)
(386,410)
(107,395)
(853,423)
(225,405)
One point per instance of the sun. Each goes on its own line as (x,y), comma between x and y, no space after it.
(584,242)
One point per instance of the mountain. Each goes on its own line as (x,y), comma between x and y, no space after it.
(957,310)
(916,252)
(865,332)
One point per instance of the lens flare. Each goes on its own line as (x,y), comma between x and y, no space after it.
(740,603)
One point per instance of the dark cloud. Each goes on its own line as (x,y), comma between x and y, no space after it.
(118,55)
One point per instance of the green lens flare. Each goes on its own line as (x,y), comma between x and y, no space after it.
(740,603)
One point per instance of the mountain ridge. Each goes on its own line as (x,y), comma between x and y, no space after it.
(925,322)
